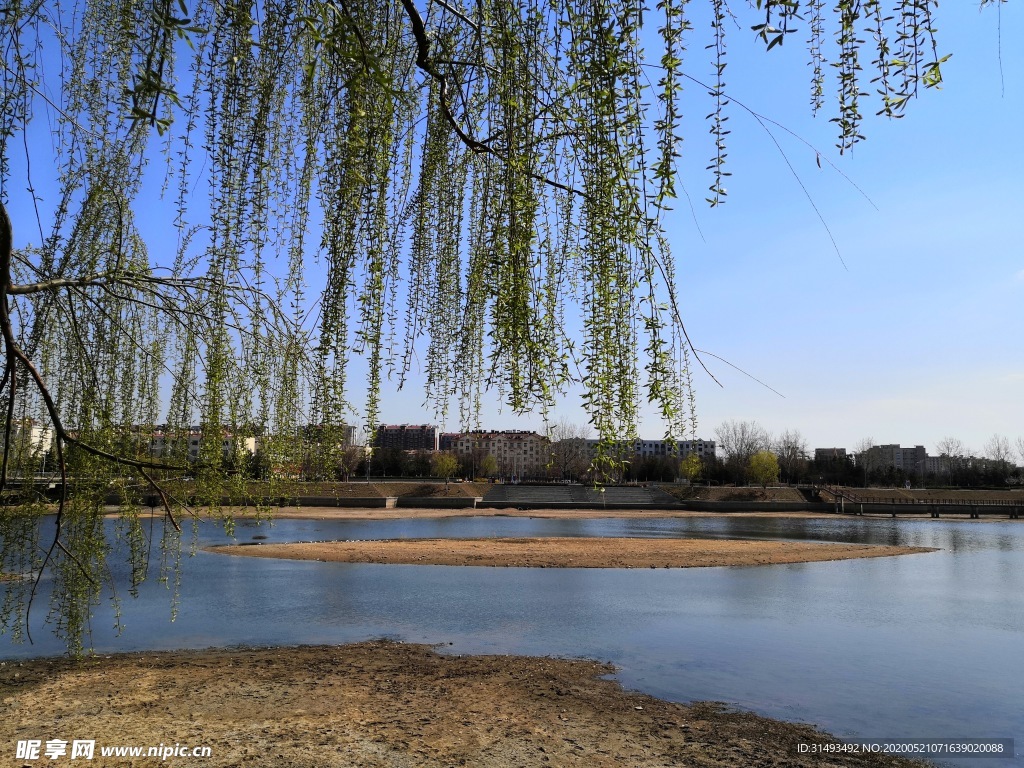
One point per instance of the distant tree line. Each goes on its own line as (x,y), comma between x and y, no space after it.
(738,442)
(744,448)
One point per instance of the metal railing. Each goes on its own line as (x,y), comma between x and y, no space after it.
(847,494)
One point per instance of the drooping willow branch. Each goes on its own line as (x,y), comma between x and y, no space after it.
(425,62)
(475,189)
(16,356)
(17,364)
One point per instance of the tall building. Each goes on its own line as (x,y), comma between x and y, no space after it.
(407,437)
(912,461)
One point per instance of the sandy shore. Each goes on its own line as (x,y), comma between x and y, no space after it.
(559,552)
(377,705)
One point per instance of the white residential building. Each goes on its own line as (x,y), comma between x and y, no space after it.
(661,448)
(29,438)
(164,444)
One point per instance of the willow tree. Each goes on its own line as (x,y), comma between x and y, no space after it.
(250,193)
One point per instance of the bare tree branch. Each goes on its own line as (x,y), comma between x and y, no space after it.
(102,279)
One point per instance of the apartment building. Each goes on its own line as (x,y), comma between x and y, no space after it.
(188,442)
(407,437)
(660,448)
(912,461)
(517,452)
(29,437)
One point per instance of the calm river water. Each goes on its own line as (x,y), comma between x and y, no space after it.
(922,646)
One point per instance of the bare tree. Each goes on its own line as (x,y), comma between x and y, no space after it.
(349,460)
(865,457)
(740,440)
(569,450)
(998,449)
(791,450)
(950,446)
(952,452)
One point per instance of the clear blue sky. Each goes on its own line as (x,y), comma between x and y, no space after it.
(918,336)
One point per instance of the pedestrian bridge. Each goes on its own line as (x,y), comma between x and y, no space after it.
(847,501)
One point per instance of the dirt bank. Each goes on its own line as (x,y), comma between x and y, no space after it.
(377,705)
(569,552)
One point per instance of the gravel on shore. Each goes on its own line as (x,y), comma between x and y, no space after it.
(383,704)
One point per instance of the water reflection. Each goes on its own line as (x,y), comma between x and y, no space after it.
(926,645)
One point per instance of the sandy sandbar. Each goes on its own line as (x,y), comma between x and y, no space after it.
(558,552)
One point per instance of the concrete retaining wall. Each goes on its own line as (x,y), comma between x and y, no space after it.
(438,502)
(152,500)
(484,504)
